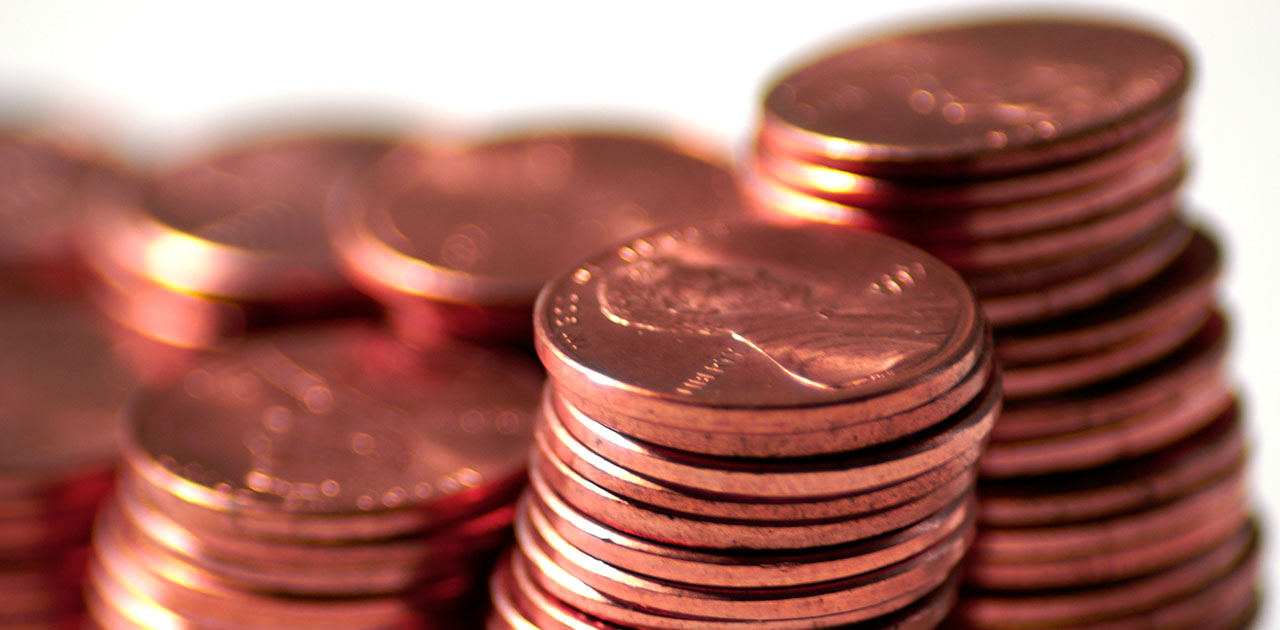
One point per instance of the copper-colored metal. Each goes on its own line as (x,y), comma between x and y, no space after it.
(335,432)
(791,479)
(556,520)
(1121,270)
(1195,363)
(244,222)
(432,232)
(1125,486)
(1131,598)
(954,101)
(729,325)
(554,441)
(1187,413)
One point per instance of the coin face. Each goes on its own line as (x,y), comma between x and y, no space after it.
(336,420)
(745,314)
(490,224)
(929,100)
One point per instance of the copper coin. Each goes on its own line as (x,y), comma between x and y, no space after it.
(41,176)
(1152,344)
(926,570)
(1002,544)
(978,99)
(1126,270)
(722,325)
(1158,177)
(764,443)
(549,477)
(796,478)
(866,191)
(1124,486)
(555,520)
(1185,286)
(335,432)
(63,390)
(242,222)
(1186,414)
(488,225)
(384,567)
(1197,362)
(1067,608)
(551,597)
(555,441)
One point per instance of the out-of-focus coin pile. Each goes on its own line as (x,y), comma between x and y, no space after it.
(458,241)
(751,426)
(203,251)
(322,477)
(1042,159)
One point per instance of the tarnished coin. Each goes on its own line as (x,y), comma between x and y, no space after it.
(954,101)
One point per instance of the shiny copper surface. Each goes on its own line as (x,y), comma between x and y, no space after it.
(955,101)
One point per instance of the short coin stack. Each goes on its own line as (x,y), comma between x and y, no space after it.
(321,477)
(751,426)
(1042,159)
(201,251)
(62,391)
(458,241)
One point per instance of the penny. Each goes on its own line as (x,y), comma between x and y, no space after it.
(1124,271)
(926,570)
(1115,533)
(790,479)
(1006,611)
(335,432)
(866,191)
(1186,286)
(554,441)
(1157,341)
(550,595)
(766,443)
(549,477)
(242,222)
(938,102)
(1157,178)
(1189,412)
(1124,486)
(719,325)
(554,519)
(487,225)
(63,390)
(1196,363)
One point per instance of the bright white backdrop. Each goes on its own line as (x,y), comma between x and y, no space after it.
(159,71)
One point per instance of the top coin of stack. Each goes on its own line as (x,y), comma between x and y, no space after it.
(459,241)
(749,424)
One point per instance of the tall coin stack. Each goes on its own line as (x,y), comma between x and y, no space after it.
(751,426)
(323,477)
(1041,158)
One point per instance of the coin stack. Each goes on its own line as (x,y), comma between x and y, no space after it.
(1042,159)
(203,250)
(318,477)
(751,426)
(457,242)
(62,390)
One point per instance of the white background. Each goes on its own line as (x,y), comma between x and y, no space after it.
(159,71)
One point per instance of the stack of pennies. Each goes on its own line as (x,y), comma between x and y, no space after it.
(457,242)
(1041,158)
(749,425)
(317,477)
(202,250)
(62,392)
